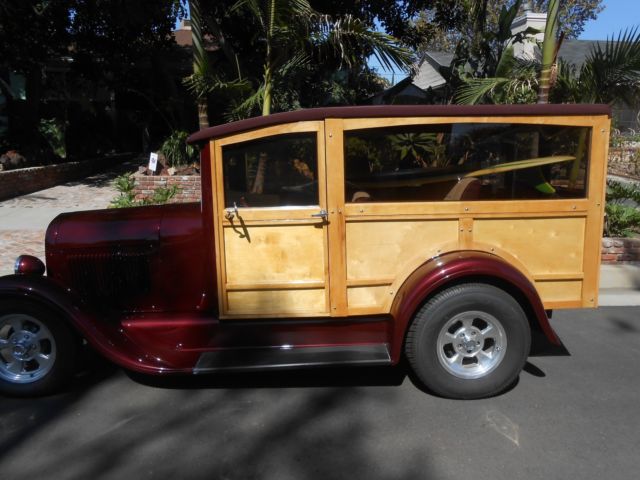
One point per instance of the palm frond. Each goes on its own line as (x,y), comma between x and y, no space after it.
(296,62)
(611,71)
(247,107)
(350,39)
(475,89)
(200,85)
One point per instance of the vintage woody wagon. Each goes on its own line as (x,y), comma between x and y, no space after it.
(353,236)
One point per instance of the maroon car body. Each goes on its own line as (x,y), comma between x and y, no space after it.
(140,284)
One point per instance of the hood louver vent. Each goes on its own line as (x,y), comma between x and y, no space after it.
(109,278)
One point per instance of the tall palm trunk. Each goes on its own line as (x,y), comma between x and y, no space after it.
(548,51)
(200,60)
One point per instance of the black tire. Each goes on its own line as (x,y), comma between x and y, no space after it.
(37,350)
(468,341)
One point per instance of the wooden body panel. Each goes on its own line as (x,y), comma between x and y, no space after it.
(278,261)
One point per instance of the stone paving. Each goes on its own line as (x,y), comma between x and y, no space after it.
(24,219)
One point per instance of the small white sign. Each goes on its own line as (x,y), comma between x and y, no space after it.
(153,161)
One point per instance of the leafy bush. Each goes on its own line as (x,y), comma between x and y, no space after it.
(125,185)
(177,151)
(53,132)
(623,216)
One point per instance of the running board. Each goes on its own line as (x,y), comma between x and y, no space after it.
(262,358)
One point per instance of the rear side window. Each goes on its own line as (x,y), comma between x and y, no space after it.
(466,161)
(276,171)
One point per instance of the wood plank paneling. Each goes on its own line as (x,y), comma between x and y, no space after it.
(367,296)
(381,249)
(544,245)
(269,302)
(560,291)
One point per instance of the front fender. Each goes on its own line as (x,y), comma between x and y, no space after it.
(453,267)
(104,336)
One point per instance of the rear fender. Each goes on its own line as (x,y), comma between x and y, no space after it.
(456,267)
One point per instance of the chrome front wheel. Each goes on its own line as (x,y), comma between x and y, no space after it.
(27,348)
(37,350)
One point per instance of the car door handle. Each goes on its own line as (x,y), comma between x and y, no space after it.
(321,214)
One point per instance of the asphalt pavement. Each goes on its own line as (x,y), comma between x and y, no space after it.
(573,414)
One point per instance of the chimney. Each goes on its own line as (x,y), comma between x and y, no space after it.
(528,48)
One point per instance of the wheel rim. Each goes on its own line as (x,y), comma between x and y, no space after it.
(471,344)
(27,348)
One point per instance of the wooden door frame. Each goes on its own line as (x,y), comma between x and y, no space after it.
(263,215)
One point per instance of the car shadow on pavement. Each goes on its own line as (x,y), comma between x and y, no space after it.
(299,378)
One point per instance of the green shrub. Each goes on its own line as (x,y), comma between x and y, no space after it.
(53,132)
(623,216)
(177,151)
(125,185)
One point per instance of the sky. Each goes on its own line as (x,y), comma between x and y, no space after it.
(617,15)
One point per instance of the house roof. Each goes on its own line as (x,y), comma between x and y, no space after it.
(576,51)
(379,111)
(428,74)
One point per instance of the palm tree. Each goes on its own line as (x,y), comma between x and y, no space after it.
(293,33)
(549,52)
(610,74)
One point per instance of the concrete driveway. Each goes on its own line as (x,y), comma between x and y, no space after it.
(572,415)
(24,219)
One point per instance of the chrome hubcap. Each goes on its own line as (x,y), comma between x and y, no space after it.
(27,348)
(471,344)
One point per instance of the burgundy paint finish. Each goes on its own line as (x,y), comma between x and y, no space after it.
(450,268)
(173,343)
(180,339)
(29,265)
(104,336)
(171,235)
(370,111)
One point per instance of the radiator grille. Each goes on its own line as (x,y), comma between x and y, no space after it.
(108,277)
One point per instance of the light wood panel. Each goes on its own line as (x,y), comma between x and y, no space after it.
(560,291)
(380,249)
(593,232)
(544,245)
(270,302)
(479,208)
(298,127)
(275,254)
(335,201)
(367,296)
(361,123)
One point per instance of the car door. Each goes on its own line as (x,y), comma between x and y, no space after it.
(270,203)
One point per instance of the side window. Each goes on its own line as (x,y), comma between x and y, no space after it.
(275,171)
(466,161)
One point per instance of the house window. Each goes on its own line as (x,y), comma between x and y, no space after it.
(466,161)
(275,171)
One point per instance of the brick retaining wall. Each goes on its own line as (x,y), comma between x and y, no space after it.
(620,250)
(28,180)
(189,186)
(624,161)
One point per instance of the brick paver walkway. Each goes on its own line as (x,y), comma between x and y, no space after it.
(23,220)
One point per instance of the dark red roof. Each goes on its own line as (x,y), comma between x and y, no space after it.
(370,111)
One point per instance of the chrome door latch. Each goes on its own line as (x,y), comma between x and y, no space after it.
(321,214)
(231,211)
